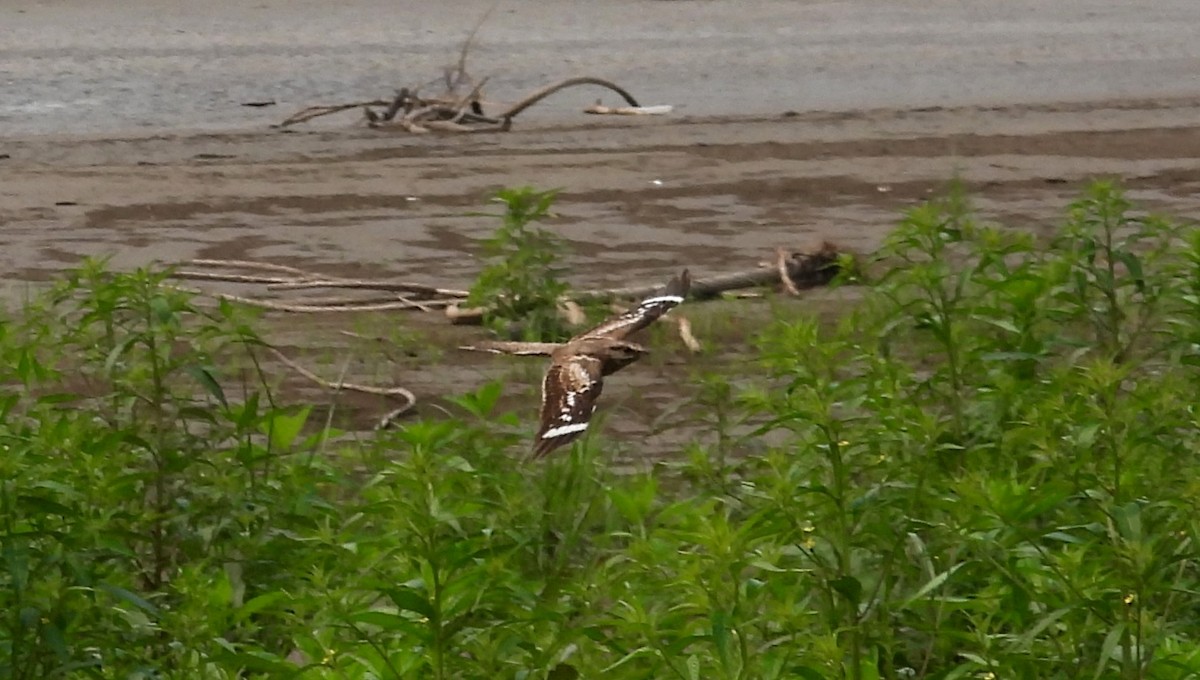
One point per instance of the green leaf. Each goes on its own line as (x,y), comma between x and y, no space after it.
(720,635)
(117,352)
(282,429)
(259,603)
(1108,650)
(807,673)
(127,596)
(849,588)
(933,584)
(1129,521)
(640,651)
(411,600)
(261,662)
(563,671)
(1134,264)
(205,376)
(1064,537)
(389,621)
(1043,623)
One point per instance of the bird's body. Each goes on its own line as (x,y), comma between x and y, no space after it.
(577,369)
(575,377)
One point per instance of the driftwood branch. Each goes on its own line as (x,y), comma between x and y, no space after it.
(685,332)
(311,112)
(804,270)
(794,270)
(541,94)
(278,278)
(451,112)
(400,392)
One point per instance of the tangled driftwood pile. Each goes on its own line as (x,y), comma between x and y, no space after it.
(461,106)
(292,289)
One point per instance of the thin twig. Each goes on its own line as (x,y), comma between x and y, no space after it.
(312,112)
(390,417)
(466,46)
(365,389)
(428,305)
(461,108)
(781,262)
(685,332)
(228,278)
(389,286)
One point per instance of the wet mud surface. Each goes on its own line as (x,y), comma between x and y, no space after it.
(639,199)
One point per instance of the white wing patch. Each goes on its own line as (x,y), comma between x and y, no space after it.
(564,430)
(635,319)
(569,394)
(673,299)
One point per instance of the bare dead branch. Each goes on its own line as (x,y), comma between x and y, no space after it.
(300,308)
(805,270)
(541,94)
(464,315)
(461,68)
(572,312)
(227,278)
(600,109)
(472,96)
(393,286)
(794,270)
(781,260)
(390,417)
(305,115)
(685,331)
(400,392)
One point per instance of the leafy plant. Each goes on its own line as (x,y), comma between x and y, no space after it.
(520,286)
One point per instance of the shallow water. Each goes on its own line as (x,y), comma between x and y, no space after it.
(111,65)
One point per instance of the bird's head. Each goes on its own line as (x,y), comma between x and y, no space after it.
(620,354)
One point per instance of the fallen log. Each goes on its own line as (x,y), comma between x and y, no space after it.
(794,270)
(805,270)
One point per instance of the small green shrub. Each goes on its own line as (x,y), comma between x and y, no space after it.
(519,287)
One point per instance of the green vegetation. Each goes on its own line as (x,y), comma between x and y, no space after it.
(519,286)
(988,469)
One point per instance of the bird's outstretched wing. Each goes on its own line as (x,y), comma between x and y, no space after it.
(516,348)
(569,393)
(649,309)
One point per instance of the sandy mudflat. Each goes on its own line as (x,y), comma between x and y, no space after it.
(122,133)
(130,113)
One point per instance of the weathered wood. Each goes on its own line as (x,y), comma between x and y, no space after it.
(541,94)
(806,270)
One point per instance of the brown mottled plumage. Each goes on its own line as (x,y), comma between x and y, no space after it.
(577,369)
